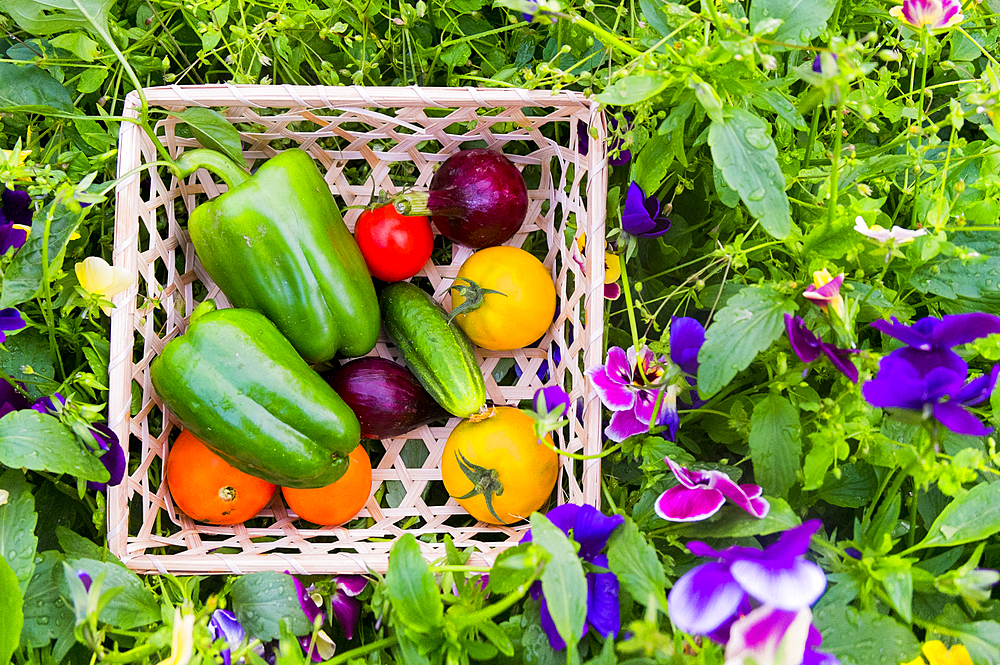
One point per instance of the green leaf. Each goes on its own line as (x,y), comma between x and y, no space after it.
(864,638)
(11,611)
(748,158)
(46,17)
(46,614)
(762,97)
(651,12)
(132,607)
(733,522)
(982,639)
(213,131)
(563,581)
(748,324)
(897,580)
(513,567)
(637,564)
(775,444)
(803,19)
(653,162)
(29,348)
(261,600)
(31,89)
(79,44)
(855,487)
(40,442)
(23,278)
(634,89)
(76,546)
(410,587)
(972,516)
(457,55)
(17,527)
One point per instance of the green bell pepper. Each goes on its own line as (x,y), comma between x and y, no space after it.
(276,243)
(238,385)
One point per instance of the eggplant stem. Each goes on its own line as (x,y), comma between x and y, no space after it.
(485,482)
(473,294)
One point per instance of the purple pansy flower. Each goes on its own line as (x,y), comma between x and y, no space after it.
(15,219)
(641,215)
(344,601)
(590,530)
(808,346)
(936,336)
(615,146)
(11,399)
(818,64)
(709,595)
(224,625)
(932,14)
(622,388)
(700,494)
(309,606)
(11,320)
(548,400)
(918,382)
(85,579)
(769,636)
(687,336)
(113,458)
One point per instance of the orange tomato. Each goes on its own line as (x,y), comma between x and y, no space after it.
(208,489)
(497,469)
(338,502)
(518,317)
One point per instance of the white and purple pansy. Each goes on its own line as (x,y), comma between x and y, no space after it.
(932,14)
(700,494)
(769,636)
(224,625)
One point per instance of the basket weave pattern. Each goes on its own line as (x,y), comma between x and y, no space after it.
(363,139)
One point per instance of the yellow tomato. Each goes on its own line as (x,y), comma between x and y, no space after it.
(497,469)
(521,314)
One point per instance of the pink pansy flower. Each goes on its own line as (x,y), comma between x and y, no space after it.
(825,291)
(701,494)
(632,393)
(932,14)
(612,267)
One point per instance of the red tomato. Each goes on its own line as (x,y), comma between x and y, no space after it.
(395,247)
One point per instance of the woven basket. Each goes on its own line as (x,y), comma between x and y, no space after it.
(362,138)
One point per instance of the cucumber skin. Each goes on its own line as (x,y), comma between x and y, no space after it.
(438,353)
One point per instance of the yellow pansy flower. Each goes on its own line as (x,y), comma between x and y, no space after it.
(98,278)
(938,654)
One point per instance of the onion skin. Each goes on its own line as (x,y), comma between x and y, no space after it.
(478,198)
(387,398)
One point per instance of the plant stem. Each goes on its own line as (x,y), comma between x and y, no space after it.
(138,653)
(812,138)
(47,286)
(838,135)
(490,611)
(627,288)
(378,645)
(920,123)
(606,37)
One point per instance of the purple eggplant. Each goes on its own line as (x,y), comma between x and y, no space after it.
(387,398)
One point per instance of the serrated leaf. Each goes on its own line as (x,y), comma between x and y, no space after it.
(748,158)
(17,527)
(262,600)
(972,516)
(775,444)
(23,278)
(637,564)
(410,587)
(40,442)
(634,89)
(47,17)
(132,607)
(31,89)
(563,581)
(864,638)
(11,610)
(803,20)
(213,131)
(749,323)
(457,55)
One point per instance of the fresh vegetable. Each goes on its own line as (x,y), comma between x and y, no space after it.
(477,198)
(497,469)
(387,398)
(339,501)
(239,386)
(395,247)
(503,298)
(276,243)
(207,488)
(437,352)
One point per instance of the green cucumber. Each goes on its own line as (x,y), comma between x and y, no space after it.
(437,352)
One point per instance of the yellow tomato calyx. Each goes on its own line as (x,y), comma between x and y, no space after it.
(472,294)
(485,482)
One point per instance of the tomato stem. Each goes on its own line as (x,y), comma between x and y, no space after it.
(472,294)
(485,482)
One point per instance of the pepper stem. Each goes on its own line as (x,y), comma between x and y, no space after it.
(485,482)
(215,162)
(472,294)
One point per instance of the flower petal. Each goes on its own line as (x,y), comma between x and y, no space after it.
(958,420)
(687,336)
(751,503)
(613,381)
(591,530)
(958,329)
(769,636)
(113,458)
(978,390)
(795,541)
(352,585)
(688,478)
(841,359)
(680,504)
(555,639)
(602,604)
(623,425)
(792,586)
(703,598)
(347,611)
(805,344)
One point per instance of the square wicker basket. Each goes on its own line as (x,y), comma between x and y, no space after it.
(363,139)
